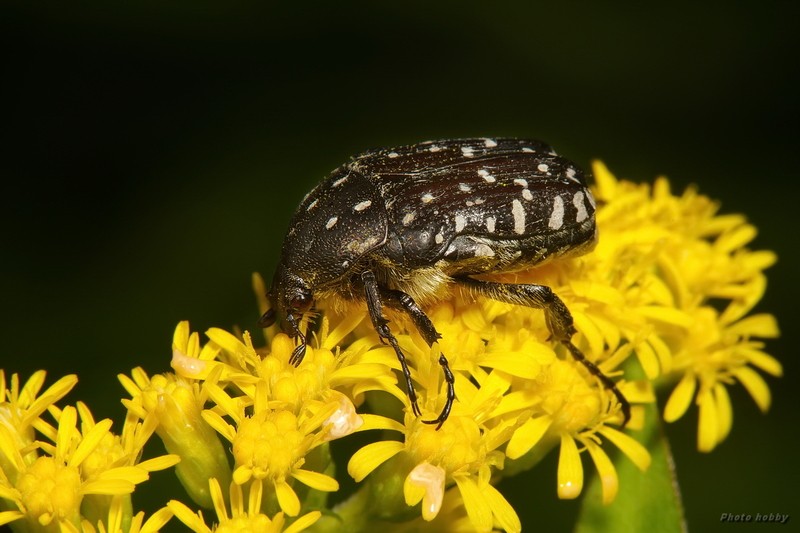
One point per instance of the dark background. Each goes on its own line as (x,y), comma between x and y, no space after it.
(154,154)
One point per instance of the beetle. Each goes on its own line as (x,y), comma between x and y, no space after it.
(399,227)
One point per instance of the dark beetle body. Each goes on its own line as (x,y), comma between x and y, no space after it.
(438,209)
(400,226)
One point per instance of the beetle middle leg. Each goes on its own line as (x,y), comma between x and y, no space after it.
(557,317)
(375,296)
(428,331)
(381,325)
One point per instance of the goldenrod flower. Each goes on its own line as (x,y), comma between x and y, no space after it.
(20,409)
(690,262)
(174,405)
(271,444)
(240,519)
(53,485)
(665,296)
(464,451)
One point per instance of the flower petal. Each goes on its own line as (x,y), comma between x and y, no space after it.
(605,469)
(570,469)
(304,522)
(371,456)
(315,480)
(480,514)
(629,446)
(724,411)
(755,385)
(188,517)
(287,498)
(527,436)
(707,429)
(502,510)
(681,398)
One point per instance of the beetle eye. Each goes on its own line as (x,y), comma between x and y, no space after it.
(300,302)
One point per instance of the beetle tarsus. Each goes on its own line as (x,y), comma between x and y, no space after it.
(451,393)
(593,369)
(298,353)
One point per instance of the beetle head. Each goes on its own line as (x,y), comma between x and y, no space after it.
(289,297)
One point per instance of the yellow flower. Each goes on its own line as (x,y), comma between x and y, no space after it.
(175,405)
(324,369)
(665,297)
(691,262)
(52,487)
(240,519)
(21,408)
(272,443)
(716,355)
(464,451)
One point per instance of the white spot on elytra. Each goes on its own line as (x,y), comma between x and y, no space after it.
(543,167)
(591,199)
(461,223)
(360,206)
(439,238)
(571,174)
(489,143)
(427,198)
(527,194)
(557,216)
(521,182)
(408,218)
(331,222)
(527,149)
(339,181)
(467,151)
(577,201)
(490,222)
(346,264)
(392,155)
(483,250)
(479,201)
(519,217)
(465,187)
(434,148)
(488,178)
(312,205)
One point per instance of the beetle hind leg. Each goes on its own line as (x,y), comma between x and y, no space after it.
(557,317)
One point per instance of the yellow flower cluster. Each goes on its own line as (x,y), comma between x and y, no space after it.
(664,297)
(77,477)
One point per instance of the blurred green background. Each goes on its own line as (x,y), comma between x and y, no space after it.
(154,153)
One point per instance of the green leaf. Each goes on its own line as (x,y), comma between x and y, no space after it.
(646,501)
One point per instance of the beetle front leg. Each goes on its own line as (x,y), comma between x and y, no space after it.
(429,333)
(558,320)
(381,325)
